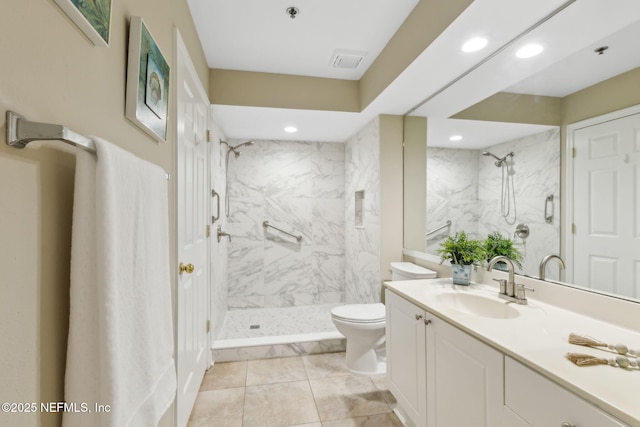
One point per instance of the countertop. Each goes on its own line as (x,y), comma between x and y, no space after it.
(538,338)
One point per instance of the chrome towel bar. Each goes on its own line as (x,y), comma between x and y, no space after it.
(21,132)
(266,224)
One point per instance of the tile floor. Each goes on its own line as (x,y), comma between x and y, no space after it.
(312,391)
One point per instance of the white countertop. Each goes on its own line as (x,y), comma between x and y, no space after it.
(538,338)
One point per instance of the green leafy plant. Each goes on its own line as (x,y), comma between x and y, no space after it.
(496,244)
(459,249)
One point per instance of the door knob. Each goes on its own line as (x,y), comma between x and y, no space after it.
(186,268)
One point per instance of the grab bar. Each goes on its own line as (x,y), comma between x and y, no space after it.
(548,218)
(266,224)
(446,224)
(216,217)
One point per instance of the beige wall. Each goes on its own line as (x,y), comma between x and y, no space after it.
(415,182)
(50,72)
(391,130)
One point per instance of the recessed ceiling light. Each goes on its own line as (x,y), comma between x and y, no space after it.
(291,129)
(474,44)
(455,138)
(529,50)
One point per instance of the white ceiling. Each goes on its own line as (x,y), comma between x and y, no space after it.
(569,39)
(259,35)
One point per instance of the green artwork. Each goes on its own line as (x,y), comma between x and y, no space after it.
(97,13)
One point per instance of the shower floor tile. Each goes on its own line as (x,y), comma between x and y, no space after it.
(277,321)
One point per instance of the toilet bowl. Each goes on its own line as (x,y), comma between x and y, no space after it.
(363,325)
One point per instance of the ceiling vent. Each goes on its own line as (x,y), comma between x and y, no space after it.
(346,59)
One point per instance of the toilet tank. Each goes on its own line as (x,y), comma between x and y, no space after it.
(410,271)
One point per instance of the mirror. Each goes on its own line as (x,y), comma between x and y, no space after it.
(535,171)
(496,179)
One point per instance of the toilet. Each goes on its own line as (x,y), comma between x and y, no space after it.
(363,325)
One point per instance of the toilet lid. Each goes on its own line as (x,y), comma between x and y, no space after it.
(361,313)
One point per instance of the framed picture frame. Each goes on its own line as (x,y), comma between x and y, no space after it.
(93,17)
(148,77)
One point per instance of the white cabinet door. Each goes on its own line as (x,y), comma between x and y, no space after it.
(543,403)
(465,379)
(406,356)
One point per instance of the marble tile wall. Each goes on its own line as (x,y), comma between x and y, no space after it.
(464,186)
(536,174)
(362,243)
(299,187)
(218,256)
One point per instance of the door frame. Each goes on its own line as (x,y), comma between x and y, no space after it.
(181,53)
(568,153)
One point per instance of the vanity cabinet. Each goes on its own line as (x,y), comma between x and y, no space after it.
(440,375)
(533,400)
(406,360)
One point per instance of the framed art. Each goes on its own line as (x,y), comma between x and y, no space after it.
(147,98)
(93,17)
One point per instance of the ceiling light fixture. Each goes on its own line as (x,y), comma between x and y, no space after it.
(474,44)
(455,138)
(601,50)
(529,51)
(291,129)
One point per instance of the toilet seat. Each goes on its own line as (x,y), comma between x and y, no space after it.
(359,313)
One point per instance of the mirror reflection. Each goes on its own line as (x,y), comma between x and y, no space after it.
(481,188)
(501,187)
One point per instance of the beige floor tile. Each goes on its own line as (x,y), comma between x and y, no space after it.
(307,425)
(282,404)
(325,365)
(225,375)
(219,408)
(381,420)
(347,397)
(382,384)
(278,370)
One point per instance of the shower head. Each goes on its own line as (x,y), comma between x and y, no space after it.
(499,161)
(235,149)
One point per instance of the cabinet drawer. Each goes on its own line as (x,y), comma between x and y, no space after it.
(543,403)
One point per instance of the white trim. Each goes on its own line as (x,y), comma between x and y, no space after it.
(571,128)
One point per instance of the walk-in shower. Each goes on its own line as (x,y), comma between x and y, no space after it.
(236,153)
(507,191)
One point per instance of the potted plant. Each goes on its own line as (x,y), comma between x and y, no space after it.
(496,244)
(461,252)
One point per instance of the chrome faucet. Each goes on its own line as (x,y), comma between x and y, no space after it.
(509,291)
(545,260)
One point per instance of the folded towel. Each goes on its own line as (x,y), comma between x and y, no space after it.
(120,350)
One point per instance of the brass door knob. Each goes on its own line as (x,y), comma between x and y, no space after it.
(186,268)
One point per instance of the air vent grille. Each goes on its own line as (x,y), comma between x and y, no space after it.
(346,60)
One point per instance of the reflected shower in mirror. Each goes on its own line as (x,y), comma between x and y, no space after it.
(484,193)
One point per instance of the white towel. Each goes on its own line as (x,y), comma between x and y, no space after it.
(120,349)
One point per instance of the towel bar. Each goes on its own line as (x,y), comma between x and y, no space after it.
(21,132)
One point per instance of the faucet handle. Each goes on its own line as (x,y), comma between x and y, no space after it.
(520,291)
(503,285)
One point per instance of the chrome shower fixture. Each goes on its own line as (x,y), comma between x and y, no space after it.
(499,161)
(236,153)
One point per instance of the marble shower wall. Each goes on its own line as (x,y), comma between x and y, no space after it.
(452,193)
(362,243)
(299,187)
(218,256)
(536,175)
(464,186)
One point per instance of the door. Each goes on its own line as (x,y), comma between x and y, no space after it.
(192,217)
(606,203)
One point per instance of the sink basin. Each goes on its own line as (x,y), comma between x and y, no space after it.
(477,305)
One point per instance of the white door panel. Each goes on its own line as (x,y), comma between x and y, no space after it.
(192,215)
(606,206)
